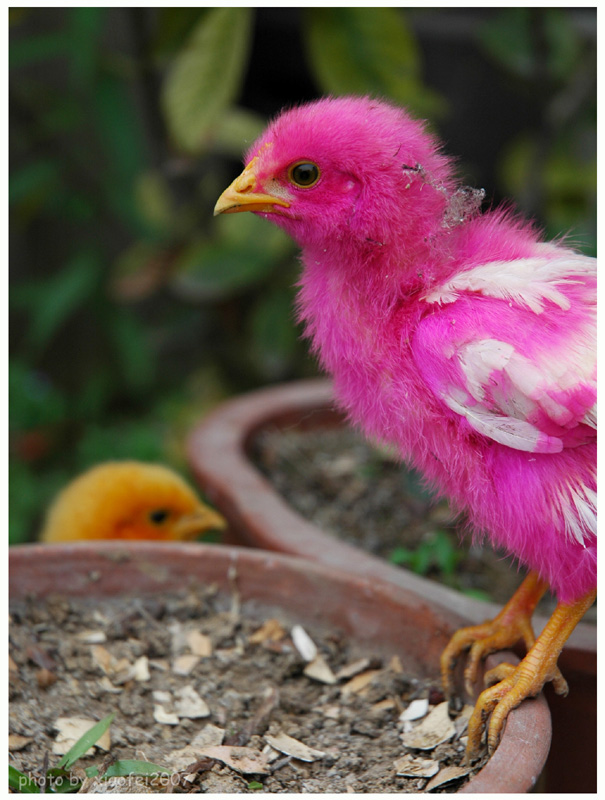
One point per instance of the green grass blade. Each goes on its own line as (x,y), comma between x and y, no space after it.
(21,783)
(84,742)
(120,769)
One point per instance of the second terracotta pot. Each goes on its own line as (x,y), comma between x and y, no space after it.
(259,517)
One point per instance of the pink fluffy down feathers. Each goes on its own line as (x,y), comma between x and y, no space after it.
(456,335)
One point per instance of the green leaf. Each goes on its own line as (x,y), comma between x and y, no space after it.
(34,400)
(142,441)
(36,48)
(120,769)
(210,271)
(132,350)
(21,783)
(206,75)
(367,51)
(154,201)
(32,181)
(422,559)
(55,301)
(242,253)
(85,29)
(510,39)
(478,594)
(400,555)
(236,130)
(447,554)
(84,742)
(273,334)
(173,26)
(507,39)
(251,232)
(62,781)
(255,786)
(29,492)
(122,138)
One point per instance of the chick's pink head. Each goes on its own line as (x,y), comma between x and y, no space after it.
(374,162)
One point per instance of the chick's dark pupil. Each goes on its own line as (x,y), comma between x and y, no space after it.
(305,174)
(158,516)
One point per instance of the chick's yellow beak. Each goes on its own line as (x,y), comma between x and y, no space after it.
(199,521)
(240,197)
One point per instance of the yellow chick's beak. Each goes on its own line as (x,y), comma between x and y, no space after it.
(199,521)
(240,197)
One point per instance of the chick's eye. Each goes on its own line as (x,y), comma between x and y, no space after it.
(304,173)
(158,516)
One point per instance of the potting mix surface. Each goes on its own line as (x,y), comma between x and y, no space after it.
(363,495)
(224,696)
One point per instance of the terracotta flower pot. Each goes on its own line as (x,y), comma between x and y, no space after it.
(259,517)
(387,618)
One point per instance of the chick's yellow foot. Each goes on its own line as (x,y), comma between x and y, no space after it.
(525,680)
(512,624)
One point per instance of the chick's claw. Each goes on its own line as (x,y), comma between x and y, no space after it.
(511,625)
(525,680)
(514,684)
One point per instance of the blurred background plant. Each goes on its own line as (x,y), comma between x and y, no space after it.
(132,310)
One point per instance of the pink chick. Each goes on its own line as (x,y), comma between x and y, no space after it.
(458,336)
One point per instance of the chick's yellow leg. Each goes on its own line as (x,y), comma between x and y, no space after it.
(537,668)
(511,625)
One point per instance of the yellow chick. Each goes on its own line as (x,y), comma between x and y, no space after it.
(128,500)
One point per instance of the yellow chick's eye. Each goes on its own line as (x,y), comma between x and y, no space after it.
(304,174)
(158,516)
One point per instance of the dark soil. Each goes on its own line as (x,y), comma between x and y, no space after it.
(81,658)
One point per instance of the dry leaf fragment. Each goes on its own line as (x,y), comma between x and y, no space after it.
(189,704)
(92,637)
(416,710)
(303,643)
(270,753)
(160,663)
(12,666)
(108,686)
(102,657)
(242,759)
(184,757)
(271,630)
(319,670)
(70,729)
(384,705)
(446,775)
(208,736)
(462,720)
(185,664)
(412,767)
(164,717)
(360,682)
(395,665)
(199,644)
(292,747)
(16,742)
(178,637)
(354,668)
(434,729)
(141,669)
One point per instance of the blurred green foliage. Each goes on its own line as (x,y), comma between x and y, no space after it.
(133,311)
